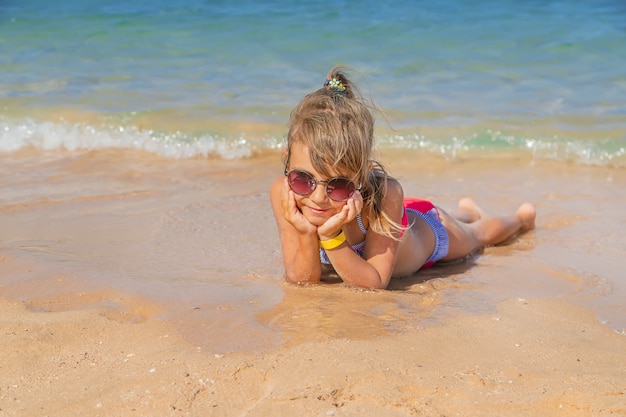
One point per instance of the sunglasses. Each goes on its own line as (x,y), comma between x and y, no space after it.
(337,188)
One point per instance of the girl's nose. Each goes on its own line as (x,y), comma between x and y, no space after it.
(319,194)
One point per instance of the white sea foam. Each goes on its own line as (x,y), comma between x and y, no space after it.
(16,135)
(69,136)
(599,152)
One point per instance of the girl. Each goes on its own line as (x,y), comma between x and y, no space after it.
(335,206)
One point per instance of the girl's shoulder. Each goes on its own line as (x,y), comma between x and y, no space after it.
(385,207)
(391,186)
(394,190)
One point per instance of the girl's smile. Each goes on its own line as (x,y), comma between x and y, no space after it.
(317,211)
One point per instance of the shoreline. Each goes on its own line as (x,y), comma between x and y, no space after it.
(175,136)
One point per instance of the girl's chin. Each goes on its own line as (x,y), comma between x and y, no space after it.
(316,221)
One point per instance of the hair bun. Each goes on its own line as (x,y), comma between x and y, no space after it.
(335,85)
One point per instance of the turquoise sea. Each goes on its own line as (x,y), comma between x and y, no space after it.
(216,77)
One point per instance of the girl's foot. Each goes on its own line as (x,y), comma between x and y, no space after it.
(526,213)
(469,211)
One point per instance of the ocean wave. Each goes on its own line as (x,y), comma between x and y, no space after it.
(14,136)
(71,137)
(603,151)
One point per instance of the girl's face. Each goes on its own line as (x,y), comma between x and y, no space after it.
(316,207)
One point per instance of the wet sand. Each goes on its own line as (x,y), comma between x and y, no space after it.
(136,285)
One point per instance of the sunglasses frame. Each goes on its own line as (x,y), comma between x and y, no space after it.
(357,187)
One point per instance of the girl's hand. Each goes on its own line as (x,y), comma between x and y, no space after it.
(292,214)
(333,225)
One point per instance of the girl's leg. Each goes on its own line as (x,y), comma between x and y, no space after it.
(472,228)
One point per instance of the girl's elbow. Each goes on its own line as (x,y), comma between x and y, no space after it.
(381,285)
(291,279)
(300,279)
(378,284)
(383,282)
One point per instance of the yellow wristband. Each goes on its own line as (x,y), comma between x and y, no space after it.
(334,242)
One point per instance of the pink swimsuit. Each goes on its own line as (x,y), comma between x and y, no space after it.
(427,211)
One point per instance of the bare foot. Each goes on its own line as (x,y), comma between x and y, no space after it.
(527,213)
(469,211)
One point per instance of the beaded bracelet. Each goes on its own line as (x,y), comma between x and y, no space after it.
(334,242)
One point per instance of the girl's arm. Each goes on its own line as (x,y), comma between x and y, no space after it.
(374,270)
(299,246)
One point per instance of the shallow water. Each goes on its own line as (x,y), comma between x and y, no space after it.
(196,240)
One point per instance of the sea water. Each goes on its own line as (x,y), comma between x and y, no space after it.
(190,77)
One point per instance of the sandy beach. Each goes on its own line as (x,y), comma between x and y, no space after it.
(140,265)
(138,286)
(531,357)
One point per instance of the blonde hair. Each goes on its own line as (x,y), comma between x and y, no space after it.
(337,126)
